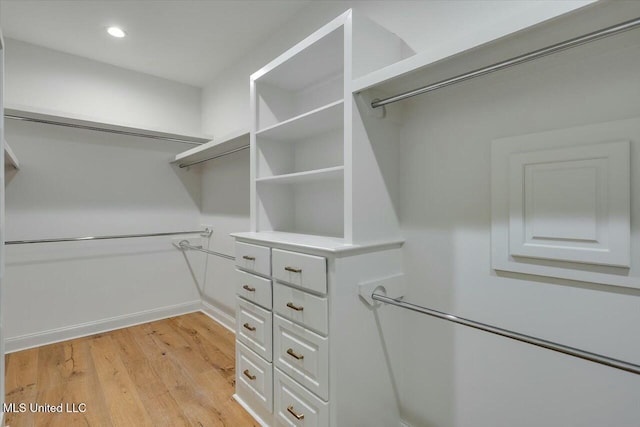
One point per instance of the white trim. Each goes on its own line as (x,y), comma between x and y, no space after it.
(249,410)
(403,423)
(51,336)
(219,316)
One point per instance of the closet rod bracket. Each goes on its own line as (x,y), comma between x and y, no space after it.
(391,286)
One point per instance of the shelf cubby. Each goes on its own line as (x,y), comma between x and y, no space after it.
(295,155)
(300,82)
(306,206)
(320,120)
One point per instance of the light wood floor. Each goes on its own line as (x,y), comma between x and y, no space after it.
(173,372)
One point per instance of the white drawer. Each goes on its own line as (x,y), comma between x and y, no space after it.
(253,328)
(295,406)
(305,271)
(254,377)
(254,258)
(301,307)
(303,355)
(254,288)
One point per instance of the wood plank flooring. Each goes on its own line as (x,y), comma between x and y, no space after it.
(173,372)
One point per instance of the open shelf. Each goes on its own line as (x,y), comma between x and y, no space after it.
(306,78)
(406,68)
(76,120)
(325,174)
(306,125)
(314,60)
(304,204)
(10,159)
(231,142)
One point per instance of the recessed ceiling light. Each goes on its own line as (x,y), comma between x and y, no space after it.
(116,32)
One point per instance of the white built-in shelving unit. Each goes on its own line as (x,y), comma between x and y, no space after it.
(322,192)
(305,132)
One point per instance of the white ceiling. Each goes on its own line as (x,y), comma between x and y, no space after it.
(188,41)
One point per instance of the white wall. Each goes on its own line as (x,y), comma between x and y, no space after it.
(225,206)
(51,82)
(83,183)
(458,377)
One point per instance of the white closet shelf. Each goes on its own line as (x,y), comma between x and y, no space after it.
(326,118)
(10,159)
(325,174)
(213,148)
(72,120)
(420,62)
(322,119)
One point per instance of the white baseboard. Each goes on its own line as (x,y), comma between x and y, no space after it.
(219,316)
(90,328)
(250,411)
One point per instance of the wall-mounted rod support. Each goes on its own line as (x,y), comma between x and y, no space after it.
(536,54)
(203,233)
(226,153)
(184,245)
(549,345)
(100,129)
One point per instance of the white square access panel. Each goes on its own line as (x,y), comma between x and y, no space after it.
(571,204)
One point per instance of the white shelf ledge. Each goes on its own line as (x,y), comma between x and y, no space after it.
(315,244)
(214,148)
(74,120)
(313,122)
(326,174)
(483,37)
(10,159)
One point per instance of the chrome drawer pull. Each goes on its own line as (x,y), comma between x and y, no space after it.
(292,412)
(293,269)
(249,327)
(248,375)
(295,355)
(249,258)
(249,288)
(292,306)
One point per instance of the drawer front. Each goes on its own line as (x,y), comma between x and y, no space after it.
(295,406)
(301,307)
(254,288)
(253,258)
(254,376)
(305,271)
(253,328)
(303,355)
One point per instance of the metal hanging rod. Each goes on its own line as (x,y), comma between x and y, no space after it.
(184,244)
(536,54)
(226,153)
(100,129)
(549,345)
(203,233)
